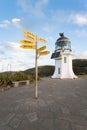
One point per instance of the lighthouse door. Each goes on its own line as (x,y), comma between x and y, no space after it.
(58,70)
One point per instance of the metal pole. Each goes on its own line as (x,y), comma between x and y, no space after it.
(36,67)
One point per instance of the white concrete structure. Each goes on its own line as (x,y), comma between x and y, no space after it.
(63,59)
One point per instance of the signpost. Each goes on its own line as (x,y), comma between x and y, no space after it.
(32,43)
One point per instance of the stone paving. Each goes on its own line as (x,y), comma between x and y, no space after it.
(62,105)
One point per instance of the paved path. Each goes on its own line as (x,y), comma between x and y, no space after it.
(62,105)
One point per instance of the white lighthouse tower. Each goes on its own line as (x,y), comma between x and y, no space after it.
(63,59)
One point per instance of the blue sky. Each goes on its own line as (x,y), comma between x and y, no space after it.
(46,18)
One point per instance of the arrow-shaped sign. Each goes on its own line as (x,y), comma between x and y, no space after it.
(41,48)
(42,40)
(27,32)
(29,35)
(27,47)
(44,53)
(27,42)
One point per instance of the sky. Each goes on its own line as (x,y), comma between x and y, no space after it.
(46,19)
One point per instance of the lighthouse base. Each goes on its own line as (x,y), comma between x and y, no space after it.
(55,76)
(65,78)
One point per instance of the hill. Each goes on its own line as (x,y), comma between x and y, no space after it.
(79,67)
(42,71)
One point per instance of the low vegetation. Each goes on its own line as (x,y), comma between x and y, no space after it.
(7,79)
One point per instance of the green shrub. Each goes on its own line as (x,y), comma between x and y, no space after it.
(5,80)
(18,76)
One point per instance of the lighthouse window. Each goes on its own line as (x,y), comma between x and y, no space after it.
(65,60)
(58,70)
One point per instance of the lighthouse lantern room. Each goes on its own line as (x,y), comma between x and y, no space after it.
(63,58)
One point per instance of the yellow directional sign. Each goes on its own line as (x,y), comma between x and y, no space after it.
(27,42)
(27,47)
(29,35)
(44,53)
(42,48)
(26,31)
(42,40)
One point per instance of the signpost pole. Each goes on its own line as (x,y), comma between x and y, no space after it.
(36,67)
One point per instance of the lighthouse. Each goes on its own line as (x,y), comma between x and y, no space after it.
(63,58)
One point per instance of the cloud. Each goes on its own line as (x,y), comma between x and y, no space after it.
(13,46)
(33,7)
(78,18)
(1,46)
(10,46)
(20,59)
(11,49)
(82,55)
(1,52)
(17,22)
(4,24)
(62,16)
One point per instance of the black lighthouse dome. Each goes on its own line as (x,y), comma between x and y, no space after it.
(63,43)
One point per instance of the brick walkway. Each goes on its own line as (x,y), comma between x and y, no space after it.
(62,105)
